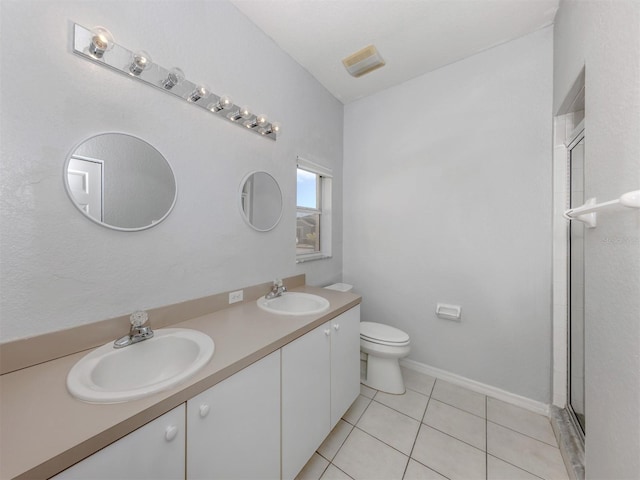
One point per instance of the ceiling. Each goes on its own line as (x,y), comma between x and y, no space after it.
(413,36)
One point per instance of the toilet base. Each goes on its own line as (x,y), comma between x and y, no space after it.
(384,374)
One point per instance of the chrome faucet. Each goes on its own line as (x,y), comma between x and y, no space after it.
(138,331)
(277,289)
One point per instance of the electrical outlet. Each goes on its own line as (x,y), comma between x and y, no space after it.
(236,296)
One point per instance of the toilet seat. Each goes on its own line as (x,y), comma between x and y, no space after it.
(383,334)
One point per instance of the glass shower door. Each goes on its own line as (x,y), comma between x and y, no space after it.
(576,284)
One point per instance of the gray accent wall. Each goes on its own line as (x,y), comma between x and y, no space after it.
(448,193)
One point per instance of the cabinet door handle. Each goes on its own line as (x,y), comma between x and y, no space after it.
(336,326)
(327,332)
(170,433)
(204,410)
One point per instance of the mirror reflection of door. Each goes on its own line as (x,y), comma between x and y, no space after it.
(576,285)
(84,176)
(247,198)
(120,182)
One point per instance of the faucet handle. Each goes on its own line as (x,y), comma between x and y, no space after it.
(138,318)
(277,282)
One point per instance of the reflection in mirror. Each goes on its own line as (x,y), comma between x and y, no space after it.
(261,201)
(120,181)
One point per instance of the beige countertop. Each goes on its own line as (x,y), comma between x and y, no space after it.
(44,430)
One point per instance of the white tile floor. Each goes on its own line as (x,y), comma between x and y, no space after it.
(436,430)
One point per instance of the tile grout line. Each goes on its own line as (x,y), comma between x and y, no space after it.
(515,466)
(341,444)
(339,469)
(381,441)
(430,468)
(385,443)
(419,427)
(431,397)
(398,411)
(513,429)
(462,409)
(359,416)
(430,394)
(524,434)
(453,436)
(371,400)
(486,438)
(325,468)
(422,423)
(353,427)
(519,467)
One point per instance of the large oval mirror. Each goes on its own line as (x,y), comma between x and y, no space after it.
(120,181)
(260,201)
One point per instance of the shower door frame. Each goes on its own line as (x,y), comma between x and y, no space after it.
(577,136)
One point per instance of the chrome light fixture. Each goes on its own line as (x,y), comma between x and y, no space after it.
(200,91)
(260,121)
(244,112)
(223,103)
(273,128)
(140,61)
(101,42)
(97,45)
(174,77)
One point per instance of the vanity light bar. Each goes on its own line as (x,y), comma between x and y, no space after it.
(98,46)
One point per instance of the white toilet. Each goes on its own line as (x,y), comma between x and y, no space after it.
(384,346)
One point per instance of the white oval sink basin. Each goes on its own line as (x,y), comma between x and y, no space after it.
(109,375)
(294,303)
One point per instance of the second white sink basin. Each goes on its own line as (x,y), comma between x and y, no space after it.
(108,375)
(294,303)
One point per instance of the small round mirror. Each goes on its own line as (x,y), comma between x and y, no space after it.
(120,182)
(260,201)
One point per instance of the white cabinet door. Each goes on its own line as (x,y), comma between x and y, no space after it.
(345,362)
(234,427)
(154,451)
(305,398)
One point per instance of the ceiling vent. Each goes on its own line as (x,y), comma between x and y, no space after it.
(363,61)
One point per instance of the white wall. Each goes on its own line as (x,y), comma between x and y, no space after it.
(604,38)
(57,268)
(448,199)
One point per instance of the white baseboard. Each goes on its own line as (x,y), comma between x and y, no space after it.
(512,398)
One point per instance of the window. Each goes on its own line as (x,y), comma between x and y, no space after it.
(313,222)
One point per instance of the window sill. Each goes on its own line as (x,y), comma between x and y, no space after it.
(312,257)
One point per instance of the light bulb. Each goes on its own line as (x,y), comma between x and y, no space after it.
(273,128)
(200,92)
(101,42)
(223,103)
(174,77)
(260,121)
(244,112)
(140,61)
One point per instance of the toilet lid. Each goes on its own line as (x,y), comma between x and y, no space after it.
(378,332)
